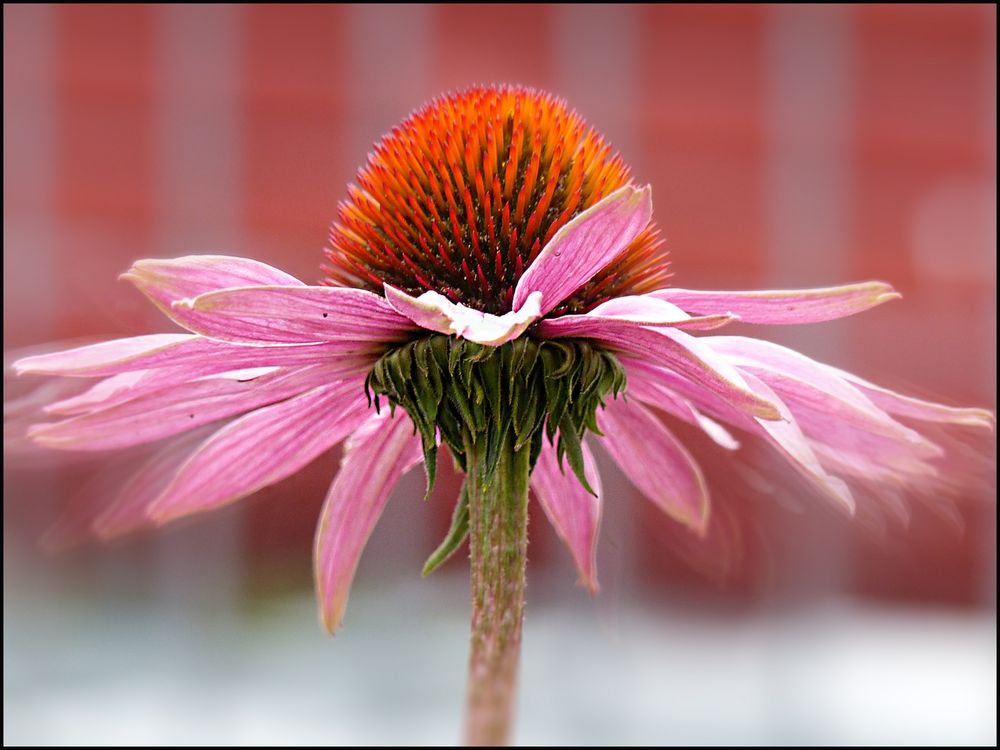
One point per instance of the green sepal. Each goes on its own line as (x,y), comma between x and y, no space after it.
(457,534)
(569,442)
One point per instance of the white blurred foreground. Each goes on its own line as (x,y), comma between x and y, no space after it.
(838,674)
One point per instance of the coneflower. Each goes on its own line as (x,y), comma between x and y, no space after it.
(494,282)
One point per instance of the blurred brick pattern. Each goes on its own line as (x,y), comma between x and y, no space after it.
(785,145)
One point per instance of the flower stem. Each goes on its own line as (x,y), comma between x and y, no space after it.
(498,543)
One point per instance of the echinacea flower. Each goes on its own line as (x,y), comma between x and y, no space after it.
(495,283)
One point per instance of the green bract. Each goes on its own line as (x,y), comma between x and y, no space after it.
(501,398)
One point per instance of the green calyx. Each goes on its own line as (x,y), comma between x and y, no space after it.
(501,398)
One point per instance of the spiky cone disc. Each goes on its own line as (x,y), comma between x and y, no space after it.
(463,195)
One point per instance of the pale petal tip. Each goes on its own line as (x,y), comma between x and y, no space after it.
(697,525)
(764,409)
(589,582)
(982,418)
(640,194)
(23,366)
(331,614)
(139,271)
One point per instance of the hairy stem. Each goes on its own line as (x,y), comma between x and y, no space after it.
(498,542)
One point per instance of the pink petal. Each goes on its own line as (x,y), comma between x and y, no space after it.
(131,385)
(176,409)
(573,512)
(787,437)
(655,462)
(262,448)
(874,470)
(100,358)
(655,393)
(292,314)
(784,307)
(584,246)
(670,348)
(647,310)
(826,418)
(578,325)
(128,385)
(377,455)
(435,312)
(165,281)
(195,355)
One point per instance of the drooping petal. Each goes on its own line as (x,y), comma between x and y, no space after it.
(377,455)
(783,434)
(669,348)
(655,462)
(787,437)
(293,315)
(653,392)
(827,407)
(573,512)
(784,307)
(435,312)
(584,246)
(171,410)
(167,280)
(900,405)
(262,448)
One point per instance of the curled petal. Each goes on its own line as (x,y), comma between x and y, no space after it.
(262,448)
(573,512)
(784,307)
(377,455)
(164,281)
(656,463)
(914,408)
(584,246)
(435,312)
(292,315)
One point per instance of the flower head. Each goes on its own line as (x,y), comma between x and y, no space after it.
(496,279)
(462,197)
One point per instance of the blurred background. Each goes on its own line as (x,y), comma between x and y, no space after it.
(787,146)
